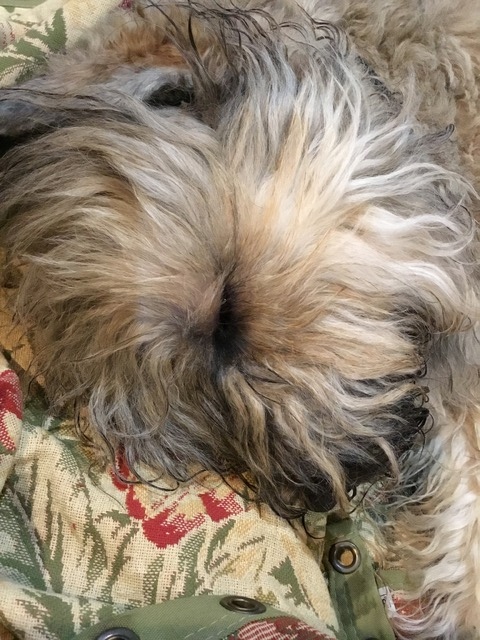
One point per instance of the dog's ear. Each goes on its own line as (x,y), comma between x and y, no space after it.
(33,109)
(25,115)
(28,113)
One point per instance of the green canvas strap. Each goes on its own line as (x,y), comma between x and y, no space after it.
(192,618)
(21,4)
(353,585)
(353,590)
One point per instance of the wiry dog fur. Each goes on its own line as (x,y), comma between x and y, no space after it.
(248,245)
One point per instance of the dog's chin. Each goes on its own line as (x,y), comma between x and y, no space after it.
(377,462)
(223,414)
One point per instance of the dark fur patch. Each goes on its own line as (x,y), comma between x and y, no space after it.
(170,96)
(227,333)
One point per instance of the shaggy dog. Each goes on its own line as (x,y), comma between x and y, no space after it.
(247,244)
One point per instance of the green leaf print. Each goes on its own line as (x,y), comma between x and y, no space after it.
(93,611)
(214,558)
(94,542)
(53,616)
(5,452)
(57,33)
(11,62)
(187,563)
(150,579)
(118,564)
(29,50)
(53,549)
(20,554)
(285,574)
(54,38)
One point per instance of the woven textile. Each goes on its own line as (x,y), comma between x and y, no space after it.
(277,629)
(30,31)
(78,544)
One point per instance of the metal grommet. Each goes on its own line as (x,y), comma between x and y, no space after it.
(118,633)
(241,604)
(344,557)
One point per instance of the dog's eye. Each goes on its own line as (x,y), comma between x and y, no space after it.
(170,96)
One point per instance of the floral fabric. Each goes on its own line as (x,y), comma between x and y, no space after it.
(32,30)
(277,629)
(78,544)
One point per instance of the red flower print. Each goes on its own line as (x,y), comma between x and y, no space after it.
(282,628)
(166,529)
(10,405)
(166,521)
(412,609)
(221,508)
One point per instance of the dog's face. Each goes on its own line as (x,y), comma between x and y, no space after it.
(236,245)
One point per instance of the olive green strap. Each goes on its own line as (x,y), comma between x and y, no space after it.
(352,584)
(192,618)
(353,590)
(21,4)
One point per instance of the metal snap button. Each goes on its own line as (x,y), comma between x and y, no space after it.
(241,604)
(344,557)
(118,633)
